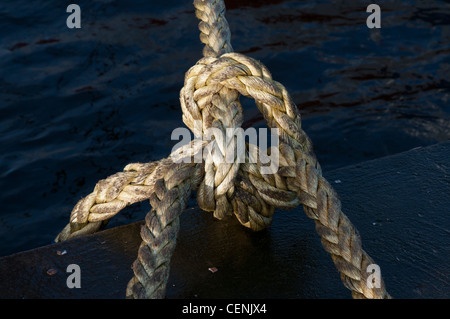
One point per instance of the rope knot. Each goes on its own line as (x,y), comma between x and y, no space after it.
(211,109)
(230,175)
(213,112)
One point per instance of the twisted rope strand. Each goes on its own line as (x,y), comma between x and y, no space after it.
(339,237)
(169,199)
(214,29)
(111,195)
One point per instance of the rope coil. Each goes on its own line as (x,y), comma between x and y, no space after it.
(210,96)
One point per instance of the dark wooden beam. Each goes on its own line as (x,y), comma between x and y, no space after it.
(400,205)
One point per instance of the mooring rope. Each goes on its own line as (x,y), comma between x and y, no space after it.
(210,96)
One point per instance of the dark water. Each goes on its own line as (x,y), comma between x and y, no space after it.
(78,105)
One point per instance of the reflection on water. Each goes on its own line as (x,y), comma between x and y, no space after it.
(78,105)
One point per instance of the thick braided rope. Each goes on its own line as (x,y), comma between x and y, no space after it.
(217,189)
(221,113)
(339,237)
(254,195)
(250,78)
(168,198)
(151,268)
(111,195)
(300,173)
(214,29)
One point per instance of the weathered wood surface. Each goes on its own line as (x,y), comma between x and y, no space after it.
(400,205)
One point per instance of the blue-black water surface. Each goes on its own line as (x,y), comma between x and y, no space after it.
(77,105)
